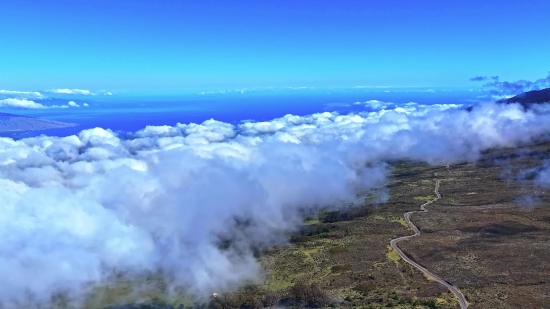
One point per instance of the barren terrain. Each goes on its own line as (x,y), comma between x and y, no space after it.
(488,236)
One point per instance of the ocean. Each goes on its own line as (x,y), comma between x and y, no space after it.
(129,113)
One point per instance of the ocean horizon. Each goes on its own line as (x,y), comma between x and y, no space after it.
(129,112)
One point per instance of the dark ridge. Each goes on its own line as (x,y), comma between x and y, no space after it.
(528,98)
(13,123)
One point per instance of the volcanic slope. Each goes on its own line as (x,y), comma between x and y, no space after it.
(487,235)
(531,97)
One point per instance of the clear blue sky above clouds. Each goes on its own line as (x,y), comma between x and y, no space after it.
(146,44)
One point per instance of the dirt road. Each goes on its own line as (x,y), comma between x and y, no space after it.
(393,243)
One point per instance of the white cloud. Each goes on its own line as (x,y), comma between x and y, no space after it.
(71,91)
(29,104)
(377,104)
(22,94)
(499,97)
(163,198)
(103,92)
(20,103)
(85,105)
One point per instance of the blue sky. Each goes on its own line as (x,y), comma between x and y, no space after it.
(144,44)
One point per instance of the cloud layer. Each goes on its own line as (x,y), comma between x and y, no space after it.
(76,208)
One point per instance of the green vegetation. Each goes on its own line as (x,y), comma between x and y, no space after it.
(400,220)
(424,198)
(392,254)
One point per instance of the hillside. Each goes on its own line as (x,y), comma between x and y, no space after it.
(487,236)
(530,97)
(12,123)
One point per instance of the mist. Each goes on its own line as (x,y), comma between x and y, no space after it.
(76,209)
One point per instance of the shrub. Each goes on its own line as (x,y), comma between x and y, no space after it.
(249,297)
(335,250)
(309,295)
(362,211)
(338,268)
(310,230)
(298,239)
(365,287)
(334,216)
(431,303)
(313,230)
(271,299)
(344,215)
(225,301)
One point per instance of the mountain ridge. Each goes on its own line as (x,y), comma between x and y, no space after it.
(14,123)
(529,97)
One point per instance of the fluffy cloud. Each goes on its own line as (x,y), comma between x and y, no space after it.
(35,95)
(21,103)
(71,91)
(21,94)
(76,208)
(29,104)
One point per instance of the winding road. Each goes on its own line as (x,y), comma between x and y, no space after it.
(393,243)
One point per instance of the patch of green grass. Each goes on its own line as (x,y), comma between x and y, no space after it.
(401,221)
(311,222)
(424,198)
(278,285)
(308,253)
(380,264)
(440,300)
(336,250)
(117,292)
(392,254)
(428,277)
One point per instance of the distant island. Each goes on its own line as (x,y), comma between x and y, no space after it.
(529,98)
(15,123)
